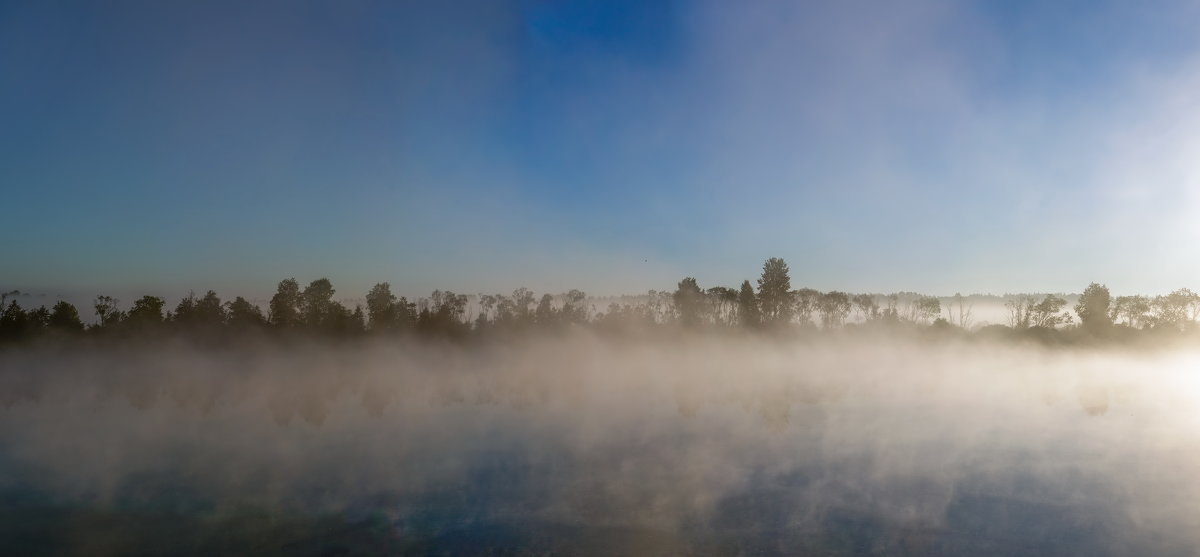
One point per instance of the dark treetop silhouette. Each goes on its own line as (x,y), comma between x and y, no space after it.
(775,307)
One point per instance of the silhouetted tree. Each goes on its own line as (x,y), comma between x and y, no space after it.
(924,309)
(963,310)
(1134,309)
(210,312)
(206,314)
(356,323)
(522,304)
(1175,310)
(107,311)
(406,313)
(690,303)
(314,311)
(506,311)
(64,317)
(321,314)
(184,309)
(443,314)
(1047,314)
(748,315)
(245,315)
(383,311)
(659,307)
(807,301)
(148,309)
(14,323)
(545,314)
(487,305)
(1019,308)
(38,319)
(340,321)
(724,303)
(316,305)
(775,292)
(1092,308)
(866,305)
(285,305)
(834,307)
(575,309)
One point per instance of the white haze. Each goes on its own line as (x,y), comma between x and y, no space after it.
(657,434)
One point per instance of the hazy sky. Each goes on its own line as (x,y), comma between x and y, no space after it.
(609,146)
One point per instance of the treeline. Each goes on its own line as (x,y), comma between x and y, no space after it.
(770,305)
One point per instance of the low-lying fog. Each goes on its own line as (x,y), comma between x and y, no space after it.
(663,446)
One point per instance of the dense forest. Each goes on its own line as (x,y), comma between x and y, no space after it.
(773,306)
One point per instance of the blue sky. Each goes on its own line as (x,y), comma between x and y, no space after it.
(609,146)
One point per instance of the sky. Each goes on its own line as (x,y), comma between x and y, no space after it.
(611,146)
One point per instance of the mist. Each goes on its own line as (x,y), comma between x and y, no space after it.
(549,332)
(692,444)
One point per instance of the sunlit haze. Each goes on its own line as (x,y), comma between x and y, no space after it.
(600,277)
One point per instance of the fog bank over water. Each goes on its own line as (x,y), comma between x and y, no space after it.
(863,445)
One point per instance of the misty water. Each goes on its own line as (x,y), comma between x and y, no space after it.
(580,444)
